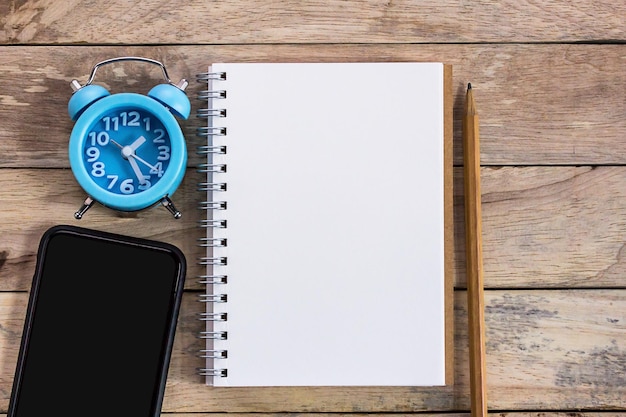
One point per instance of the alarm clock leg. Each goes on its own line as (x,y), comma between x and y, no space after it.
(167,203)
(86,205)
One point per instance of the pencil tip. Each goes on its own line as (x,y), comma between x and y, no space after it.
(469,86)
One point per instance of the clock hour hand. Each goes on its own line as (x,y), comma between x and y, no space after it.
(137,143)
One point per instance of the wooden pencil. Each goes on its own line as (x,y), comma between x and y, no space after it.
(473,241)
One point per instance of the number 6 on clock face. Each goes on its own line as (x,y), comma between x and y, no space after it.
(127,150)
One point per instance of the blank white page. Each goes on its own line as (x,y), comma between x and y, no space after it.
(335,224)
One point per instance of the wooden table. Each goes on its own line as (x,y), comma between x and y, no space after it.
(550,86)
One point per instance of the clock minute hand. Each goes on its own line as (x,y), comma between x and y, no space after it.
(135,167)
(129,154)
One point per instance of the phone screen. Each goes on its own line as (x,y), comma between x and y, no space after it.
(99,328)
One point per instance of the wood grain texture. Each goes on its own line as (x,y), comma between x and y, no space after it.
(352,21)
(550,82)
(552,349)
(554,226)
(528,118)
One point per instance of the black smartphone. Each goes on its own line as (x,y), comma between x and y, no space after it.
(99,327)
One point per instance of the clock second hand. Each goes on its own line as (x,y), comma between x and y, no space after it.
(144,162)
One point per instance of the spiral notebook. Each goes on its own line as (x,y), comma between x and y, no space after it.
(329,224)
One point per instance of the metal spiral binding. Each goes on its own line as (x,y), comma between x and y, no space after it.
(206,150)
(205,95)
(214,354)
(210,168)
(207,261)
(211,131)
(206,223)
(211,113)
(213,298)
(211,186)
(213,316)
(208,242)
(211,206)
(213,279)
(214,372)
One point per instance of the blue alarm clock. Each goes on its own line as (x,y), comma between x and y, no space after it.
(127,150)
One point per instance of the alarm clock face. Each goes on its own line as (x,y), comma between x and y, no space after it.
(127,151)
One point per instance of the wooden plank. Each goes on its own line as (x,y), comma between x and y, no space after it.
(445,414)
(553,226)
(529,215)
(546,350)
(35,200)
(574,116)
(255,22)
(542,226)
(499,414)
